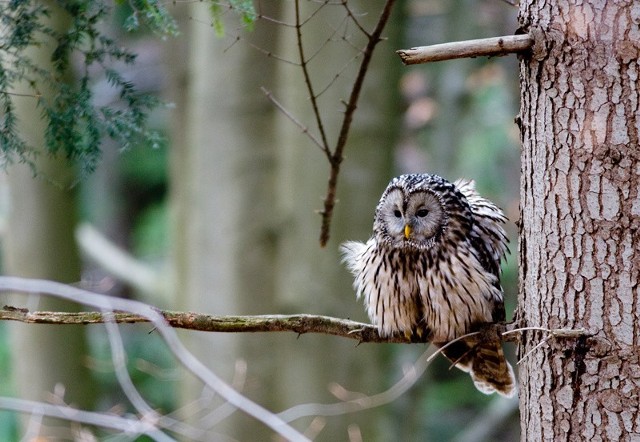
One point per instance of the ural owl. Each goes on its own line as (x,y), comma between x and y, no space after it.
(431,271)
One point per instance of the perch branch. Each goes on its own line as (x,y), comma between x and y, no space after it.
(300,324)
(494,46)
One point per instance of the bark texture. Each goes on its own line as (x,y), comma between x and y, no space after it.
(580,247)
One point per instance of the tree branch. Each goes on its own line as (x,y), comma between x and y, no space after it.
(307,80)
(214,323)
(337,156)
(182,354)
(300,324)
(495,46)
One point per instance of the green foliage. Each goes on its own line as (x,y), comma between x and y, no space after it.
(153,14)
(75,124)
(244,8)
(71,34)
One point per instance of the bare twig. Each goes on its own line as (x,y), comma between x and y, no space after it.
(494,46)
(127,425)
(186,358)
(337,156)
(304,129)
(460,338)
(304,65)
(559,333)
(358,402)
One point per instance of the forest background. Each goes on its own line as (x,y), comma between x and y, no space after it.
(221,216)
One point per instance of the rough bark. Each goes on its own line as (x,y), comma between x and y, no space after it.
(580,246)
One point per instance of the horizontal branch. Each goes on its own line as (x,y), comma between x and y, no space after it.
(494,46)
(214,323)
(300,324)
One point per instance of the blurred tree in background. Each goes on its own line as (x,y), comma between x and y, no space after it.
(225,213)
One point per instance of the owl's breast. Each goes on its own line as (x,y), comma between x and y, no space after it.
(390,289)
(458,294)
(420,292)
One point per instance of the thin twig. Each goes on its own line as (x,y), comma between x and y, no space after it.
(537,346)
(351,105)
(270,54)
(127,425)
(440,349)
(302,127)
(353,18)
(362,402)
(183,355)
(307,80)
(564,333)
(494,46)
(17,94)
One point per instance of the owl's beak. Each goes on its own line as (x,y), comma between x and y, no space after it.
(407,231)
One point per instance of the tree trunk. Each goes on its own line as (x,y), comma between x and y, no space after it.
(222,200)
(580,203)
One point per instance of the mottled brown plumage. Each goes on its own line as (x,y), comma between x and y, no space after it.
(431,271)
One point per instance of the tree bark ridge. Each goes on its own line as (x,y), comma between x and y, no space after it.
(580,248)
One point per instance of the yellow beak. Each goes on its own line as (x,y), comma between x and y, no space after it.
(407,231)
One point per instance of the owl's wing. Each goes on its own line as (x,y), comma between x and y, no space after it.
(487,234)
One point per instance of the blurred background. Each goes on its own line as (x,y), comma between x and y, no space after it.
(221,218)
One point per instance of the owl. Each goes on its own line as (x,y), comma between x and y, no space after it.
(431,272)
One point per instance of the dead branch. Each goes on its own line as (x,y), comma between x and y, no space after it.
(304,65)
(299,324)
(495,46)
(337,155)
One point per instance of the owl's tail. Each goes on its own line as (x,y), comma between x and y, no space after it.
(486,364)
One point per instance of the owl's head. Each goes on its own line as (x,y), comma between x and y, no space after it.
(415,211)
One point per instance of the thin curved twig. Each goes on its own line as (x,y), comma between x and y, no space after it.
(183,355)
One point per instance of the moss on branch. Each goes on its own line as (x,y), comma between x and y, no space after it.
(299,324)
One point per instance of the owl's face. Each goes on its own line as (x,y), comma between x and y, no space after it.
(409,218)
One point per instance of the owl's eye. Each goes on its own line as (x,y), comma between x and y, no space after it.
(397,213)
(422,213)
